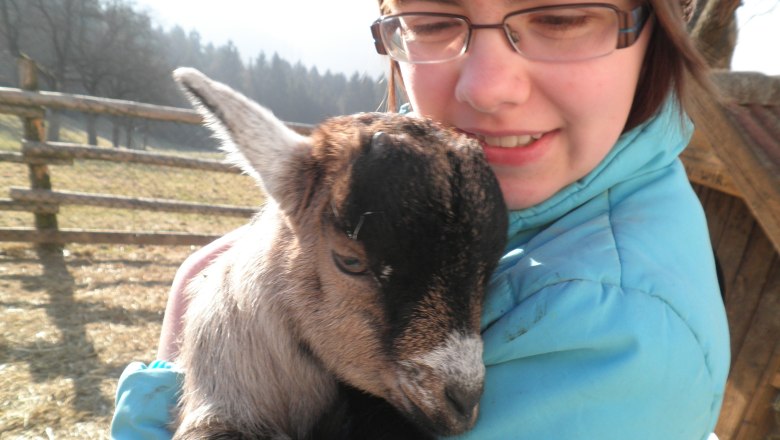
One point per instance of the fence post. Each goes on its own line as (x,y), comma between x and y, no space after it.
(34,130)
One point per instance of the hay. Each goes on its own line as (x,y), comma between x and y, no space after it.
(68,326)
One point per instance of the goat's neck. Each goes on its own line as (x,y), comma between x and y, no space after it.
(288,386)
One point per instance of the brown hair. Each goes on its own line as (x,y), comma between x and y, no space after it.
(670,63)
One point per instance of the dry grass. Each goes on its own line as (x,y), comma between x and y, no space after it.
(68,326)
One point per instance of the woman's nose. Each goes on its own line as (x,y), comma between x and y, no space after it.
(492,74)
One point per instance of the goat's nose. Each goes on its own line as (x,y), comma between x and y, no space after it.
(463,399)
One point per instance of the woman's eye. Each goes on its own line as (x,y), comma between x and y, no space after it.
(579,24)
(562,21)
(349,264)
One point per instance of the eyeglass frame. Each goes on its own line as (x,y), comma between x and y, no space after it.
(628,33)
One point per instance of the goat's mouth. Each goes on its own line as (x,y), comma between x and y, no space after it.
(440,388)
(437,407)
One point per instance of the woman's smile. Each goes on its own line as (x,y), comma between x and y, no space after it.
(513,149)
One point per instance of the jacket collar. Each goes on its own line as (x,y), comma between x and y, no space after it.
(650,146)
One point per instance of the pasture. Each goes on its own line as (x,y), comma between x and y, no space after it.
(70,321)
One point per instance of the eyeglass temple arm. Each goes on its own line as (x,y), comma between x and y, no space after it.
(379,45)
(632,23)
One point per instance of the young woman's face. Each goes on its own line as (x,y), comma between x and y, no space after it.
(543,125)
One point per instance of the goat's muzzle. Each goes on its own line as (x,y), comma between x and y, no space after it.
(440,390)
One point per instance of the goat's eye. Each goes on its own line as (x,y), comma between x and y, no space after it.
(350,265)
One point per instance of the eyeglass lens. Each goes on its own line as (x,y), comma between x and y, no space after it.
(553,33)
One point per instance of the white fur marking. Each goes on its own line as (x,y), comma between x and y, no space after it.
(459,358)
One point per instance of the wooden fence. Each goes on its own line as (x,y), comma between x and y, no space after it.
(44,202)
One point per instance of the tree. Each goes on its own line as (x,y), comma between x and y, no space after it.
(11,14)
(63,21)
(116,55)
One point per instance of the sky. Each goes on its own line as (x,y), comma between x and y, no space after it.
(335,36)
(330,35)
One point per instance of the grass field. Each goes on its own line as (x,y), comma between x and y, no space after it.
(70,321)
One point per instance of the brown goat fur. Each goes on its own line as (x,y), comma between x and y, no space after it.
(356,293)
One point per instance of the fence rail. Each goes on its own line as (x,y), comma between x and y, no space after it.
(27,103)
(47,151)
(37,153)
(65,236)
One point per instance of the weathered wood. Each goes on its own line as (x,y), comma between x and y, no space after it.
(718,207)
(12,156)
(744,293)
(92,104)
(56,150)
(748,87)
(757,184)
(704,167)
(24,112)
(34,130)
(752,360)
(758,420)
(120,202)
(64,236)
(16,205)
(733,242)
(113,107)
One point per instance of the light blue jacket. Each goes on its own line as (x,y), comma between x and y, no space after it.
(603,320)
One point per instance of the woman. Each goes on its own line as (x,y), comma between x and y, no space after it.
(604,318)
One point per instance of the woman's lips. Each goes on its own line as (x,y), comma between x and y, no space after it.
(515,150)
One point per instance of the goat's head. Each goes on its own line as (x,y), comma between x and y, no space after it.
(402,222)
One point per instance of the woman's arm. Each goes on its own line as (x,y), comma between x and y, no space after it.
(168,347)
(146,394)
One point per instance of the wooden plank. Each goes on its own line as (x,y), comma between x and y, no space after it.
(751,362)
(120,202)
(22,112)
(11,156)
(58,150)
(113,107)
(734,239)
(702,191)
(34,130)
(14,157)
(705,168)
(91,104)
(756,183)
(39,208)
(65,236)
(759,419)
(717,208)
(743,294)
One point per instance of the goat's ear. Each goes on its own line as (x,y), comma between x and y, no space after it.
(252,136)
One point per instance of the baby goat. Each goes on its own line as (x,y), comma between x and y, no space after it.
(351,307)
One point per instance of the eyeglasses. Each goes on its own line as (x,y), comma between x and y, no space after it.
(572,32)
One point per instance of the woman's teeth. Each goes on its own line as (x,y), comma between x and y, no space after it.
(509,141)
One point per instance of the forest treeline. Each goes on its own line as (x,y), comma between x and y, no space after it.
(111,48)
